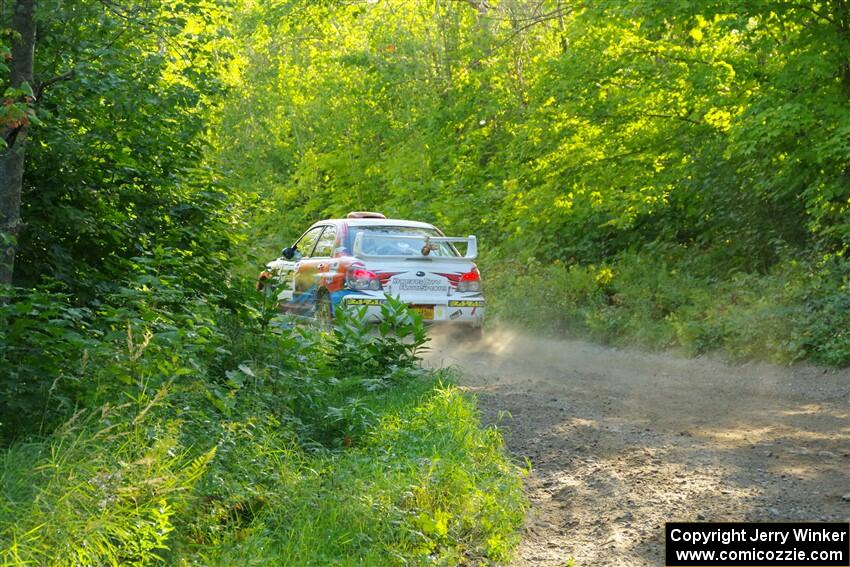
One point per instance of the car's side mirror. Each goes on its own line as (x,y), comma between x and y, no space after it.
(287,253)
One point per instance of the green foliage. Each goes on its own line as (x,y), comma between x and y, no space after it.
(117,170)
(663,300)
(150,331)
(259,445)
(44,345)
(652,173)
(360,352)
(376,502)
(565,136)
(104,489)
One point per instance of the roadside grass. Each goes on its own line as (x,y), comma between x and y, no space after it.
(274,454)
(796,311)
(428,485)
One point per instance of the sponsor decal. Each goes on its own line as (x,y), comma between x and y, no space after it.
(363,301)
(466,303)
(426,285)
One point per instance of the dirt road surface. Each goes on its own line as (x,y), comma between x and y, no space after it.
(622,441)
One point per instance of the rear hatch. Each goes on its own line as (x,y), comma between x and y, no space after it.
(415,264)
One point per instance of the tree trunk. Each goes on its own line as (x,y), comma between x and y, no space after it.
(12,157)
(562,29)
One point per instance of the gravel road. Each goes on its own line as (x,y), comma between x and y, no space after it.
(622,441)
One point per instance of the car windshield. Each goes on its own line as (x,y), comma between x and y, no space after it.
(398,247)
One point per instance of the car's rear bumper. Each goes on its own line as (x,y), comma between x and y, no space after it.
(467,311)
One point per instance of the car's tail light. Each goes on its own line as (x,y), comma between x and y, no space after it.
(360,279)
(470,281)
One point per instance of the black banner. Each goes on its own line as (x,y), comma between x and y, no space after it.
(743,544)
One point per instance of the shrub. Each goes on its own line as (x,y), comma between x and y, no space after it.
(227,438)
(668,299)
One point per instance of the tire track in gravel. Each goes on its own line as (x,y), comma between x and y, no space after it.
(622,441)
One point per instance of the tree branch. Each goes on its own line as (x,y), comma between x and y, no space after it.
(554,14)
(44,85)
(812,10)
(72,72)
(131,18)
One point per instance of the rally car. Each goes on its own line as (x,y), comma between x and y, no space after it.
(364,258)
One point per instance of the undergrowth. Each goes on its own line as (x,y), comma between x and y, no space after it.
(196,435)
(674,299)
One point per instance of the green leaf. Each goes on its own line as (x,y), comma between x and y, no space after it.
(27,89)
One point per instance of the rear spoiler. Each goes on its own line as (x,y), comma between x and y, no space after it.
(471,246)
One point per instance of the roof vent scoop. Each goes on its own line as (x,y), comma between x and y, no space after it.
(364,215)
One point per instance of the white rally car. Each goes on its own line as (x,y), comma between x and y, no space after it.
(361,259)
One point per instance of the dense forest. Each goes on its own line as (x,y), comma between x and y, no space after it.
(664,174)
(671,175)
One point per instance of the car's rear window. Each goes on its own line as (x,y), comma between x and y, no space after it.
(389,247)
